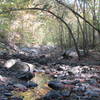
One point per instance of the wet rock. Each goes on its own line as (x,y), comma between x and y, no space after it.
(56,85)
(91,93)
(79,89)
(53,95)
(70,73)
(30,84)
(92,82)
(8,94)
(71,82)
(3,98)
(26,76)
(23,66)
(57,95)
(16,98)
(66,93)
(20,86)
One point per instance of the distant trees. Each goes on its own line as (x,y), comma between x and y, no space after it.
(83,6)
(77,21)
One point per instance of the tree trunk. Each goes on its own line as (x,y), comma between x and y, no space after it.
(94,23)
(85,40)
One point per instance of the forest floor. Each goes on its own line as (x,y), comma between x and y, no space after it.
(58,78)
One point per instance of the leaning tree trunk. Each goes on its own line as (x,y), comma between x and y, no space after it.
(94,23)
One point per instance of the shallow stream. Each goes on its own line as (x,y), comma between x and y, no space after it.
(35,94)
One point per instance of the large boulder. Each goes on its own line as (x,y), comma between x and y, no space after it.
(18,65)
(23,66)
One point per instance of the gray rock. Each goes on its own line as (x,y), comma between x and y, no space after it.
(23,66)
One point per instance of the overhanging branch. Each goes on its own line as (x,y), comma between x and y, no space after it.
(74,12)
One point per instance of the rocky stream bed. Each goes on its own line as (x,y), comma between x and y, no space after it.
(49,76)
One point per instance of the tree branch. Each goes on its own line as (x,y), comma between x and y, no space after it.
(78,15)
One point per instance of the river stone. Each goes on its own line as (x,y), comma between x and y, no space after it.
(30,84)
(26,76)
(53,95)
(56,85)
(8,94)
(16,98)
(57,95)
(92,93)
(23,66)
(20,86)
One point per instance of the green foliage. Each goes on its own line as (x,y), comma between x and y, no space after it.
(29,27)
